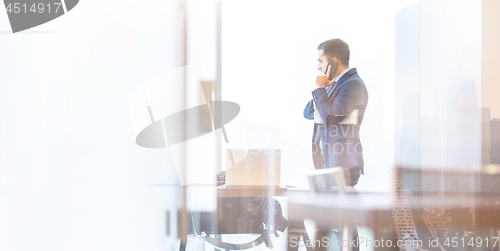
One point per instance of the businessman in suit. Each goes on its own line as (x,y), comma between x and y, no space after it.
(337,144)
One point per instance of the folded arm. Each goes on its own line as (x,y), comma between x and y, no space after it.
(351,95)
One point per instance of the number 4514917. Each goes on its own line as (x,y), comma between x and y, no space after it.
(34,8)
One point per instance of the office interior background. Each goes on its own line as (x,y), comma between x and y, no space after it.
(72,176)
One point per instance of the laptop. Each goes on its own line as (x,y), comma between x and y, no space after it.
(253,167)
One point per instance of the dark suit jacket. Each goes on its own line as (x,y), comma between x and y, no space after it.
(341,144)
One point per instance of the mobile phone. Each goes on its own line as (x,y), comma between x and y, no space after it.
(333,69)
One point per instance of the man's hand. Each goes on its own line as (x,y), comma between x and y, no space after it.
(322,80)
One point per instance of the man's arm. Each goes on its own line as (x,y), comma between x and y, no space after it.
(351,94)
(309,110)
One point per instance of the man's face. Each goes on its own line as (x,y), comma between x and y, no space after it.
(322,61)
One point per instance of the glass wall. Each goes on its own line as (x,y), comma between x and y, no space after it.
(445,128)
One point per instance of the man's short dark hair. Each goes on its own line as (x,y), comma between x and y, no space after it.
(336,48)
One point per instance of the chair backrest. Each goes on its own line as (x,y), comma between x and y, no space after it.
(240,215)
(329,179)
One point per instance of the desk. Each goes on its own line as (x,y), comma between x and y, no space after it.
(331,210)
(352,208)
(335,210)
(223,191)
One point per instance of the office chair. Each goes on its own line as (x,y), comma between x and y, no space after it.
(238,215)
